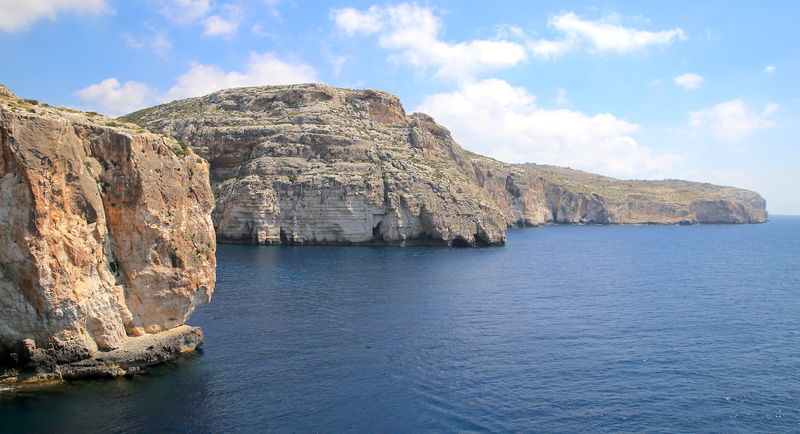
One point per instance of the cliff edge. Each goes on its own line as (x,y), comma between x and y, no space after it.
(106,243)
(313,164)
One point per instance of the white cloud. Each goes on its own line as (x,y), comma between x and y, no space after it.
(732,120)
(496,119)
(114,98)
(353,22)
(413,31)
(16,15)
(546,49)
(689,80)
(185,11)
(225,24)
(262,69)
(599,36)
(769,69)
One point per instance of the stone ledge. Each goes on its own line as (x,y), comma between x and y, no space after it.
(132,357)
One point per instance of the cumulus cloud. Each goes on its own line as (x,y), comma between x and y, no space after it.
(497,119)
(769,69)
(115,98)
(354,22)
(546,49)
(16,15)
(224,24)
(689,80)
(262,69)
(599,36)
(732,120)
(414,32)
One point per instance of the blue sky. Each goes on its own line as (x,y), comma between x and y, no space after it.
(704,91)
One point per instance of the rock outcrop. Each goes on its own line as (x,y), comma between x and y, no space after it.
(312,164)
(106,243)
(534,194)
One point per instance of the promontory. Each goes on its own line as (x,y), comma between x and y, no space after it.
(313,164)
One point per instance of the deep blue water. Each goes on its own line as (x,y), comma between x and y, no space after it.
(588,328)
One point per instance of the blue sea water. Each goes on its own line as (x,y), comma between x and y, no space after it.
(567,328)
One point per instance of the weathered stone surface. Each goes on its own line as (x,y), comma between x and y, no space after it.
(311,164)
(105,234)
(5,92)
(536,194)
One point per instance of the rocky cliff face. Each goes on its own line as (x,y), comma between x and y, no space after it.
(312,164)
(535,194)
(106,242)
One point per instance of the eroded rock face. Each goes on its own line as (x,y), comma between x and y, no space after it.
(535,194)
(311,164)
(105,235)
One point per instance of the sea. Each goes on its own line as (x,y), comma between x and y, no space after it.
(565,329)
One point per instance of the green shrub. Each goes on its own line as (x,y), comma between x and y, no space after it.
(184,150)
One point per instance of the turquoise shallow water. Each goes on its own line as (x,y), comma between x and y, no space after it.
(601,328)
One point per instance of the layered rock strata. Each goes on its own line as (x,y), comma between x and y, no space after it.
(312,164)
(533,194)
(106,242)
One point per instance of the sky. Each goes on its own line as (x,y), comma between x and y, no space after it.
(705,91)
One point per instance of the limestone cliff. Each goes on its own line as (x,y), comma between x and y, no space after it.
(534,194)
(106,242)
(311,164)
(314,164)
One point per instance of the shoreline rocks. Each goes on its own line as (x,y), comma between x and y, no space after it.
(133,356)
